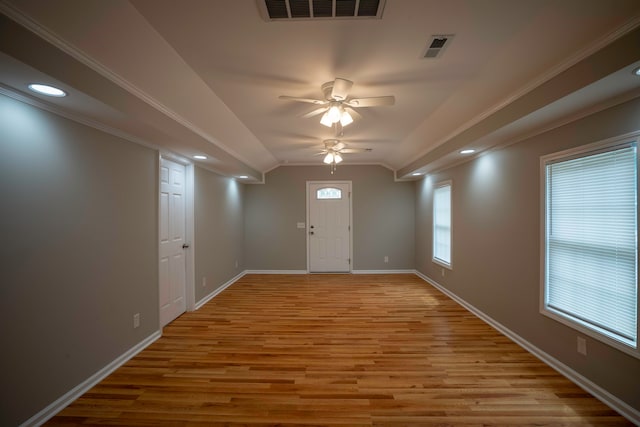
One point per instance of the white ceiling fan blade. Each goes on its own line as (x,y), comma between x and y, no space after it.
(353,113)
(341,88)
(323,152)
(307,100)
(354,150)
(315,112)
(372,102)
(339,146)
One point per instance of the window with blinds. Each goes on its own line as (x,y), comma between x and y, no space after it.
(442,224)
(590,242)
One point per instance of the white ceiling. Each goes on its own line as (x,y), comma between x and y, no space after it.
(204,76)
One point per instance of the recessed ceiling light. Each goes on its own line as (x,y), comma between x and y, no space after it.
(199,157)
(243,177)
(47,90)
(417,174)
(468,151)
(637,71)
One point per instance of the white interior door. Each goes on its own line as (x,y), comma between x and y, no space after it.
(172,238)
(329,227)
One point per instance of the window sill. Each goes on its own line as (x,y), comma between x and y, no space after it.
(441,263)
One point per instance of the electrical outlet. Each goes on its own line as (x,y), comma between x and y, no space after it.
(442,271)
(386,258)
(582,346)
(204,281)
(136,320)
(236,263)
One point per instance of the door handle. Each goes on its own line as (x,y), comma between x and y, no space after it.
(185,246)
(311,232)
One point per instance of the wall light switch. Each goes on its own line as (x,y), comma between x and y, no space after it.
(582,346)
(302,225)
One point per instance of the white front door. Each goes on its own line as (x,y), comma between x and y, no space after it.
(172,239)
(329,226)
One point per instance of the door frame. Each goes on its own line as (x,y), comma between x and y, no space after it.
(308,205)
(190,290)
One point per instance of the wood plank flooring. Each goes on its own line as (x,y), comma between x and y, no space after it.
(340,350)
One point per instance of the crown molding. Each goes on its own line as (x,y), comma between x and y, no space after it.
(83,120)
(22,18)
(570,61)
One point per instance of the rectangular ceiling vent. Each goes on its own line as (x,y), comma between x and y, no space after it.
(437,45)
(278,10)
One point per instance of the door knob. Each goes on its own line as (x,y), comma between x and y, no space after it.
(185,246)
(311,232)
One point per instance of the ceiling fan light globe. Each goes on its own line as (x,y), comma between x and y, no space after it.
(334,114)
(346,118)
(328,159)
(325,120)
(337,158)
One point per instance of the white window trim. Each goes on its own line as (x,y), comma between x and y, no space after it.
(566,154)
(440,262)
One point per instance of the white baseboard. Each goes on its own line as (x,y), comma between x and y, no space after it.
(407,271)
(66,399)
(600,393)
(276,272)
(383,271)
(217,291)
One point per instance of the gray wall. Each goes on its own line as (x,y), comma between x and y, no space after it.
(79,258)
(218,230)
(496,244)
(383,218)
(79,211)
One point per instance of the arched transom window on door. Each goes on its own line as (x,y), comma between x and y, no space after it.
(328,193)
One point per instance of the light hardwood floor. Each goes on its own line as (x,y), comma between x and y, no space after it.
(356,350)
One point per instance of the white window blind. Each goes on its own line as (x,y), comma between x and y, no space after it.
(442,224)
(591,241)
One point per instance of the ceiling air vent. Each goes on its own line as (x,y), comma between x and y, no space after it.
(437,45)
(275,10)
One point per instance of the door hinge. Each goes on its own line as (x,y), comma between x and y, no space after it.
(348,227)
(349,261)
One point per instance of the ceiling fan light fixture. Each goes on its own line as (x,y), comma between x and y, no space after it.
(328,159)
(337,158)
(346,119)
(335,113)
(325,120)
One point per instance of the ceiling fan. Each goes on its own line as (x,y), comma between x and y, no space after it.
(337,107)
(333,151)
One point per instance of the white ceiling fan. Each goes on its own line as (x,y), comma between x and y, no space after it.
(337,107)
(333,151)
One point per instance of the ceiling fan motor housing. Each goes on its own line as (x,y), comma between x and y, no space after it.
(326,90)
